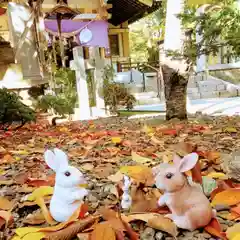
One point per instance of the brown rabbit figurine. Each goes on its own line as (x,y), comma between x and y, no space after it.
(189,206)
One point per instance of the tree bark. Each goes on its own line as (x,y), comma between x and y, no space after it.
(175,89)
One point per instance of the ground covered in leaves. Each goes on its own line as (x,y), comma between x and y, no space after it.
(104,151)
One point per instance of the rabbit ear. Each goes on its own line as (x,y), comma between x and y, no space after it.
(61,158)
(49,157)
(188,162)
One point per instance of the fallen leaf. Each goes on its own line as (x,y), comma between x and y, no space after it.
(217,175)
(40,192)
(5,204)
(215,229)
(236,237)
(72,230)
(62,225)
(83,236)
(35,219)
(139,159)
(116,140)
(228,215)
(236,210)
(139,173)
(87,166)
(7,216)
(196,173)
(46,213)
(6,182)
(228,197)
(161,223)
(39,182)
(233,232)
(117,177)
(112,217)
(103,231)
(230,130)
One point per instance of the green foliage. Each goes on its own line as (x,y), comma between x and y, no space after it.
(219,27)
(115,94)
(145,34)
(64,100)
(12,110)
(57,104)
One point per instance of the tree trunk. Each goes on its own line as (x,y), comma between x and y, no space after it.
(175,88)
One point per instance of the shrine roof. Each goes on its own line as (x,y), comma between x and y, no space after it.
(130,10)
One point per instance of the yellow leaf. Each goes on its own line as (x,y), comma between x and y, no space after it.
(6,182)
(40,192)
(237,237)
(217,175)
(17,158)
(233,232)
(116,140)
(29,233)
(25,230)
(230,130)
(147,129)
(40,202)
(5,204)
(139,173)
(139,159)
(228,197)
(63,129)
(103,231)
(20,152)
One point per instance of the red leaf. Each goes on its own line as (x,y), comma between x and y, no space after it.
(113,133)
(215,229)
(171,132)
(196,173)
(83,211)
(38,183)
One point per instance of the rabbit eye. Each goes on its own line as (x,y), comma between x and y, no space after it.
(67,174)
(169,175)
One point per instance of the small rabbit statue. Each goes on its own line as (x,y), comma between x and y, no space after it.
(126,198)
(67,196)
(189,206)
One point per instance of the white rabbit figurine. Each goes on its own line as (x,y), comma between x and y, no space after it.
(68,195)
(126,198)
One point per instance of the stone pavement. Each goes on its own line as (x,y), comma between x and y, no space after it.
(213,106)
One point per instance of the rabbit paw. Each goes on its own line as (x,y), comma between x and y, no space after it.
(79,195)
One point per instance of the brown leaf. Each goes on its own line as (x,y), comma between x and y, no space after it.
(112,217)
(163,224)
(35,219)
(5,204)
(103,231)
(83,236)
(72,230)
(196,173)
